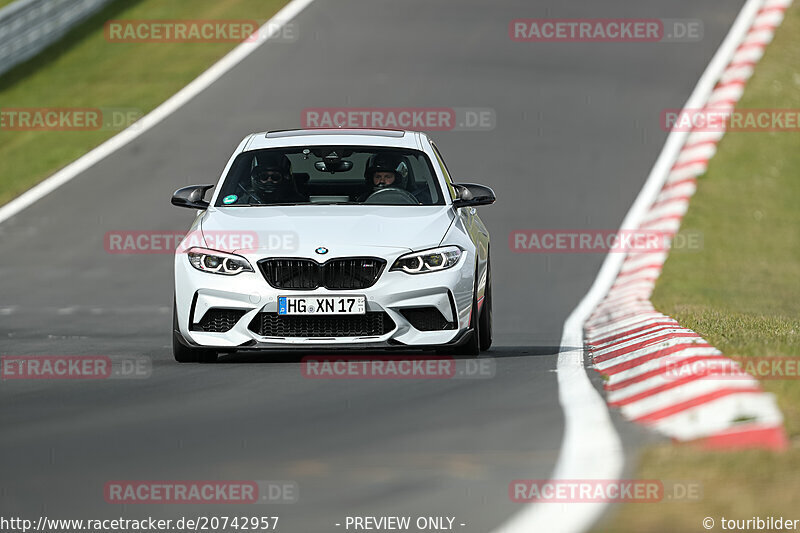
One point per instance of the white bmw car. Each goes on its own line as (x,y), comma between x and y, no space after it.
(349,239)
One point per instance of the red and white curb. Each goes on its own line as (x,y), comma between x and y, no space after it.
(643,352)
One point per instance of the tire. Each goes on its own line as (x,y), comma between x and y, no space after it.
(485,322)
(186,354)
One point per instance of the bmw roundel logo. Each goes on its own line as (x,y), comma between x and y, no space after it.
(321,250)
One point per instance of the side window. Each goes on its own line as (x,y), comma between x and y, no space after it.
(446,173)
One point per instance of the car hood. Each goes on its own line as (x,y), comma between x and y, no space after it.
(299,230)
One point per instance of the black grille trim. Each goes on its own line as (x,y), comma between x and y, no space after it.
(427,319)
(296,274)
(219,320)
(346,273)
(371,324)
(350,273)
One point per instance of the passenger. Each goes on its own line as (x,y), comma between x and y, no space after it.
(271,181)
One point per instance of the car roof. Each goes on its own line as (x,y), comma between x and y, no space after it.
(334,136)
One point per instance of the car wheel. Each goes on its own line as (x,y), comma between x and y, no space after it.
(485,322)
(187,354)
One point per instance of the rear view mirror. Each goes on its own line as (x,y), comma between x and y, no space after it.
(472,194)
(191,196)
(332,166)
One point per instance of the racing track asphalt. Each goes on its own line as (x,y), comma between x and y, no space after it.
(576,134)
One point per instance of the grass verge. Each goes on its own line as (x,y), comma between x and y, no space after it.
(742,294)
(84,70)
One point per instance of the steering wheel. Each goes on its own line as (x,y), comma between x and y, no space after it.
(392,195)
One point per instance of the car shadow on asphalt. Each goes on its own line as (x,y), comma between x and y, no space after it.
(297,356)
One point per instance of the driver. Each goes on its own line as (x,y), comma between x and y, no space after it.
(383,171)
(271,181)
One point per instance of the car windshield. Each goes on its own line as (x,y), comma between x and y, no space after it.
(330,175)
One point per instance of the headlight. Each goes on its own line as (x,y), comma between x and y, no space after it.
(428,260)
(218,262)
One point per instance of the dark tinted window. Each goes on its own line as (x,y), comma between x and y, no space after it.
(330,175)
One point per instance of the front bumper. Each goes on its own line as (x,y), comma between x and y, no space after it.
(449,291)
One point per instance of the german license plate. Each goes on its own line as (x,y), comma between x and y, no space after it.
(322,305)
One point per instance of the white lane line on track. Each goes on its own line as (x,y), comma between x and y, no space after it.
(271,28)
(591,448)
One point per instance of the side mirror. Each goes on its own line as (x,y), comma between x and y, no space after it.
(472,194)
(191,196)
